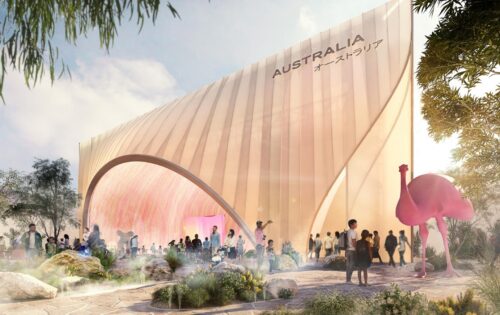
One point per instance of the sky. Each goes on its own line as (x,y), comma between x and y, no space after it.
(167,60)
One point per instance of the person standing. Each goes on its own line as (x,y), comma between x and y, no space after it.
(240,246)
(260,239)
(196,244)
(51,248)
(390,246)
(363,257)
(328,244)
(134,245)
(230,244)
(143,250)
(270,255)
(376,246)
(350,252)
(311,247)
(317,246)
(153,249)
(3,247)
(94,239)
(403,240)
(215,240)
(336,247)
(66,242)
(86,235)
(32,242)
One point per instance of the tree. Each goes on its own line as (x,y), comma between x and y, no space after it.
(462,53)
(45,198)
(28,28)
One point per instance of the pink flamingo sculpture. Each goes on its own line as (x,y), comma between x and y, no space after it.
(431,196)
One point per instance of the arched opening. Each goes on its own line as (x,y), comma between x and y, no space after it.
(158,200)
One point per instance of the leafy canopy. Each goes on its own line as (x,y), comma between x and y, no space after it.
(460,56)
(28,29)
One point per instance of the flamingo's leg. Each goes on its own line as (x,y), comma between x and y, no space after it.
(424,233)
(443,228)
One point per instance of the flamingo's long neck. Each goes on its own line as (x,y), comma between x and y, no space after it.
(404,188)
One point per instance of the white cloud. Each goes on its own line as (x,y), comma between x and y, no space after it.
(307,22)
(50,121)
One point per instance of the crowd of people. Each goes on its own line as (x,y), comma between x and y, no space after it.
(359,253)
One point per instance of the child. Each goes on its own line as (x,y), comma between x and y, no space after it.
(363,256)
(51,247)
(270,254)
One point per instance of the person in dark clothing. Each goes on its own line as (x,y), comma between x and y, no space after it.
(376,246)
(311,246)
(391,242)
(196,244)
(363,257)
(188,244)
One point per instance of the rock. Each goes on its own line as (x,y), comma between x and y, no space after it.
(71,263)
(428,267)
(19,286)
(335,262)
(71,282)
(120,269)
(225,266)
(157,269)
(274,286)
(285,262)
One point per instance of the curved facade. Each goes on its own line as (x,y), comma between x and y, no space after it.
(308,138)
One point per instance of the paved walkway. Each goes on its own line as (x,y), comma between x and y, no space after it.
(136,300)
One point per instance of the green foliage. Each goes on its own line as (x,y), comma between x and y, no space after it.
(280,311)
(250,254)
(332,304)
(203,288)
(464,304)
(438,261)
(487,284)
(197,297)
(287,249)
(44,196)
(28,28)
(337,263)
(106,257)
(430,251)
(460,54)
(285,294)
(417,243)
(395,301)
(174,259)
(467,241)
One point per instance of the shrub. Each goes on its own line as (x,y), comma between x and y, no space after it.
(487,284)
(106,257)
(224,296)
(174,259)
(197,297)
(285,294)
(203,288)
(394,301)
(250,254)
(330,304)
(463,305)
(430,251)
(280,311)
(337,263)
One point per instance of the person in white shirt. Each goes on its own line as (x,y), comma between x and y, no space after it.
(230,244)
(328,244)
(350,252)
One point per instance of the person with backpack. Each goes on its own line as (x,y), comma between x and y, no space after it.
(390,246)
(363,257)
(317,246)
(350,252)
